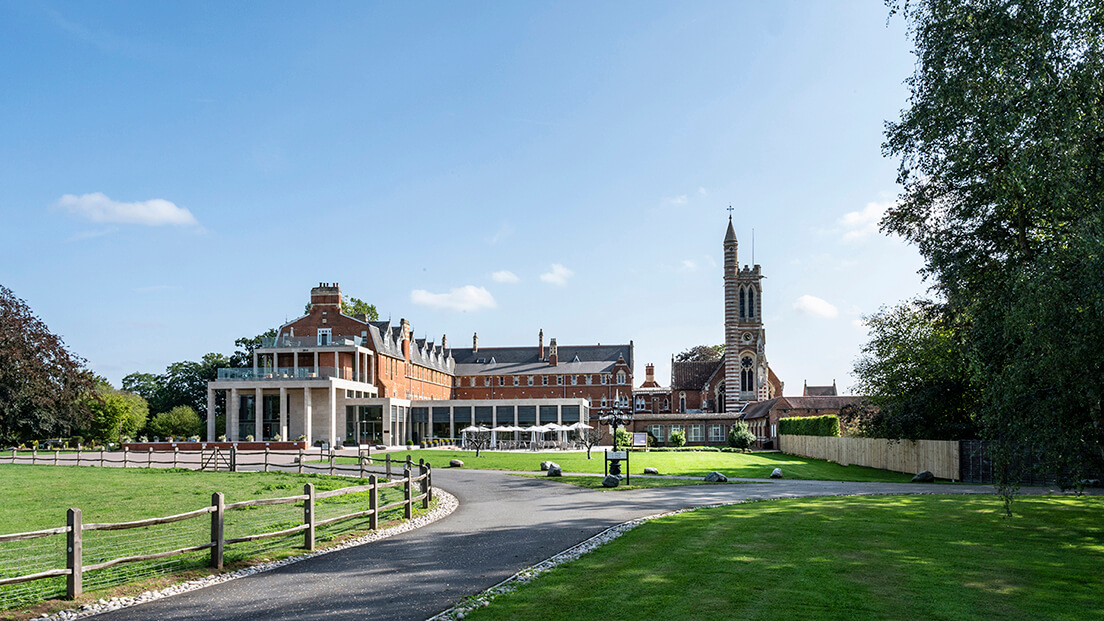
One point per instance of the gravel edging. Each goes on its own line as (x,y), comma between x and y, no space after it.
(446,504)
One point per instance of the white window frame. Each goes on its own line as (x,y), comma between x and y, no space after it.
(517,380)
(716,433)
(327,333)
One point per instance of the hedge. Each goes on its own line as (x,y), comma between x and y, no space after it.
(828,425)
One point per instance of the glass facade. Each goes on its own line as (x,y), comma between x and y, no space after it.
(548,414)
(527,415)
(570,414)
(363,424)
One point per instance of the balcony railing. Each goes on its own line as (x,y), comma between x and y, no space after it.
(310,341)
(283,373)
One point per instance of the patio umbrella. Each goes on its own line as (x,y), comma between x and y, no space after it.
(580,425)
(473,428)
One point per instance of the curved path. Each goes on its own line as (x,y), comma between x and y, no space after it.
(504,524)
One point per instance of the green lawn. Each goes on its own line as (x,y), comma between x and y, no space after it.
(38,497)
(741,465)
(591,482)
(878,557)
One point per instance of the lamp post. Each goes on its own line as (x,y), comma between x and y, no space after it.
(615,419)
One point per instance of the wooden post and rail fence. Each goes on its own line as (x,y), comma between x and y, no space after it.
(75,527)
(939,457)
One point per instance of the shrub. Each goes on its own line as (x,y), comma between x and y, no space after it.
(677,438)
(624,438)
(827,425)
(77,440)
(740,436)
(249,438)
(222,438)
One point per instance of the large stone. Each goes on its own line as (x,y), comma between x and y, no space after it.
(651,471)
(456,463)
(715,477)
(555,471)
(545,465)
(611,481)
(923,477)
(776,473)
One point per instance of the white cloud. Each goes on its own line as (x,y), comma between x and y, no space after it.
(816,307)
(859,224)
(505,276)
(682,199)
(558,275)
(504,231)
(689,265)
(99,208)
(859,323)
(466,298)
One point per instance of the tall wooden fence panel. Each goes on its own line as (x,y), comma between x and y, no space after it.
(941,458)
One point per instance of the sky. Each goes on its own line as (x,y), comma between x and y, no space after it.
(176,175)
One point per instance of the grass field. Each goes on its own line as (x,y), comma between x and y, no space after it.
(879,557)
(37,498)
(741,465)
(590,482)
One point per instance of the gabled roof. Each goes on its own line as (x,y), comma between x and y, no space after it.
(820,391)
(692,375)
(819,403)
(573,359)
(760,409)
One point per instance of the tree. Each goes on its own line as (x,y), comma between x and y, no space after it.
(1002,168)
(42,383)
(478,440)
(915,373)
(701,353)
(179,422)
(115,413)
(243,356)
(590,438)
(740,436)
(183,383)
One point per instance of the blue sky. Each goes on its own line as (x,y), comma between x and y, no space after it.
(177,175)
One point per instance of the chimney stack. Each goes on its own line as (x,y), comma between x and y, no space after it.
(444,342)
(553,354)
(540,344)
(475,341)
(326,294)
(649,372)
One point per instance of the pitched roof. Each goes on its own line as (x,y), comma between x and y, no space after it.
(760,409)
(692,375)
(819,403)
(572,359)
(820,391)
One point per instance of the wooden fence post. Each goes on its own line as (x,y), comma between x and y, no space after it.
(13,454)
(387,459)
(233,458)
(409,463)
(424,484)
(429,480)
(300,460)
(176,456)
(360,462)
(101,456)
(73,555)
(126,454)
(266,459)
(373,502)
(308,516)
(218,529)
(149,457)
(78,454)
(331,462)
(408,507)
(34,455)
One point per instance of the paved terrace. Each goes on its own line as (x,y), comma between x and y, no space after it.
(504,524)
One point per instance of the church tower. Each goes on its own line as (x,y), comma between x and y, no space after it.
(746,374)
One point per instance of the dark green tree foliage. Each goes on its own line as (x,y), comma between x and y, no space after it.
(183,383)
(42,383)
(828,425)
(916,375)
(243,356)
(701,353)
(1002,163)
(740,436)
(353,307)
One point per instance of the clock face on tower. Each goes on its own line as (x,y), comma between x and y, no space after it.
(747,337)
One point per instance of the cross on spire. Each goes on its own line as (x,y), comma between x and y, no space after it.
(730,212)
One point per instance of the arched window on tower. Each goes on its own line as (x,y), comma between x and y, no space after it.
(682,402)
(751,301)
(743,312)
(747,375)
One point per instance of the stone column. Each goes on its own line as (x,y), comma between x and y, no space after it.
(452,423)
(232,415)
(295,364)
(210,414)
(316,363)
(258,416)
(307,406)
(283,415)
(356,365)
(332,431)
